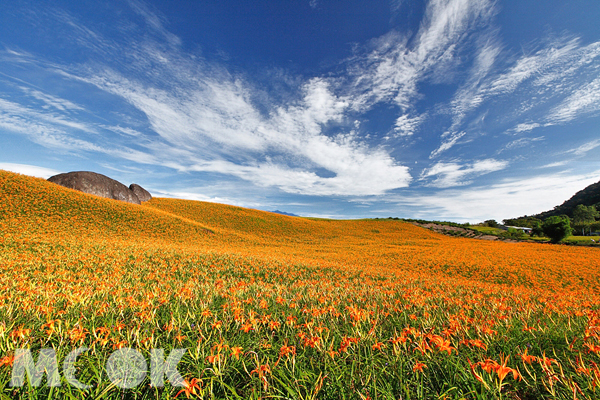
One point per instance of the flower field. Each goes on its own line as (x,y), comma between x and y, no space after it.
(270,306)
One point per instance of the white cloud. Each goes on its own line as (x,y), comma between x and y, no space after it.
(454,174)
(52,101)
(586,147)
(446,21)
(14,111)
(470,95)
(206,119)
(583,101)
(406,125)
(530,66)
(351,179)
(54,131)
(154,22)
(522,142)
(507,199)
(555,164)
(393,68)
(31,170)
(569,61)
(123,130)
(533,81)
(526,127)
(447,143)
(192,195)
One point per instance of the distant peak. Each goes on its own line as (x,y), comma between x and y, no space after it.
(284,213)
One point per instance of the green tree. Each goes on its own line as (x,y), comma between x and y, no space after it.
(522,221)
(584,216)
(512,233)
(491,223)
(557,228)
(536,229)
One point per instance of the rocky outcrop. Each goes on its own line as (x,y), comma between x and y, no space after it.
(96,184)
(140,192)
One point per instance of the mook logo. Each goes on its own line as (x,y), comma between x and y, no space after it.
(126,368)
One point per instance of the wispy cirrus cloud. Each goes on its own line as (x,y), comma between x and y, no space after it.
(585,148)
(452,139)
(154,21)
(528,67)
(522,142)
(470,96)
(53,130)
(31,170)
(50,101)
(22,117)
(394,64)
(205,116)
(585,100)
(455,174)
(526,127)
(555,164)
(407,125)
(535,82)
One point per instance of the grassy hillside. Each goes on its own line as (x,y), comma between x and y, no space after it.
(274,306)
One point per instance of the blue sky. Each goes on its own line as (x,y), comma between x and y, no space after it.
(460,110)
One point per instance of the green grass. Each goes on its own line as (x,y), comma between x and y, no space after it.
(487,230)
(587,240)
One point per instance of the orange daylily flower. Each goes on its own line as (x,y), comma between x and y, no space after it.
(378,346)
(236,351)
(419,367)
(190,387)
(528,359)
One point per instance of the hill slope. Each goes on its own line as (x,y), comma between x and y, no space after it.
(34,208)
(270,306)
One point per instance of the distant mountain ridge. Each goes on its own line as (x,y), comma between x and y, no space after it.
(284,213)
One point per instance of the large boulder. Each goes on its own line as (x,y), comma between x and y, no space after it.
(96,184)
(140,192)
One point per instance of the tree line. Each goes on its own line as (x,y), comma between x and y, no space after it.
(558,227)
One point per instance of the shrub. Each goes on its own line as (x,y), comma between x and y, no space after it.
(536,229)
(557,228)
(512,233)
